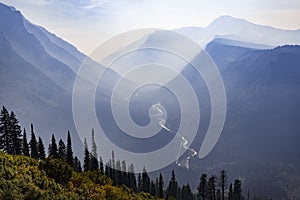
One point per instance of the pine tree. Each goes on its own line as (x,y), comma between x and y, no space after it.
(62,150)
(173,186)
(210,188)
(201,188)
(5,138)
(152,188)
(25,144)
(230,192)
(132,179)
(161,186)
(186,193)
(218,194)
(87,161)
(52,150)
(237,190)
(41,149)
(77,165)
(94,157)
(69,150)
(118,178)
(145,181)
(223,183)
(16,134)
(33,144)
(101,165)
(139,186)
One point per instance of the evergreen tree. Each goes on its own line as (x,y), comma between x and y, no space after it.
(62,150)
(186,193)
(161,186)
(211,188)
(41,149)
(4,129)
(223,183)
(25,144)
(77,165)
(16,134)
(139,186)
(118,178)
(218,194)
(101,165)
(5,137)
(237,190)
(69,150)
(52,150)
(33,144)
(87,160)
(173,186)
(94,157)
(125,180)
(201,188)
(145,181)
(152,188)
(230,192)
(132,179)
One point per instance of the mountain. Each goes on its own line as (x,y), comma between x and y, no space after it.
(259,139)
(38,71)
(228,27)
(260,135)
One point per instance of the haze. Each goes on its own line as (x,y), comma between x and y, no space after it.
(88,23)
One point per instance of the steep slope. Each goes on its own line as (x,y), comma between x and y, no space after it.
(38,73)
(31,49)
(259,139)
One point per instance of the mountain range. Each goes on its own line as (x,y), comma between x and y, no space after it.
(260,69)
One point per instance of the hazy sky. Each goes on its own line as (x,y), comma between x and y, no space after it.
(87,23)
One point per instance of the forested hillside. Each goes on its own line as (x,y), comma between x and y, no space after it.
(26,172)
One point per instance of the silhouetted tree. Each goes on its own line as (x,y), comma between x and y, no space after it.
(218,194)
(101,166)
(152,188)
(210,188)
(87,160)
(145,181)
(94,157)
(52,150)
(201,188)
(230,192)
(41,149)
(5,138)
(69,150)
(77,165)
(139,186)
(223,183)
(62,152)
(132,179)
(237,190)
(10,133)
(161,186)
(173,186)
(25,144)
(16,134)
(33,144)
(186,193)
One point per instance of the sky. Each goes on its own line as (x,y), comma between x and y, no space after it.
(88,23)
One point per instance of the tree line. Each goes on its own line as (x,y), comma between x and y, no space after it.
(13,141)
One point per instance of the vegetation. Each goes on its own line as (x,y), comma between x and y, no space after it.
(60,176)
